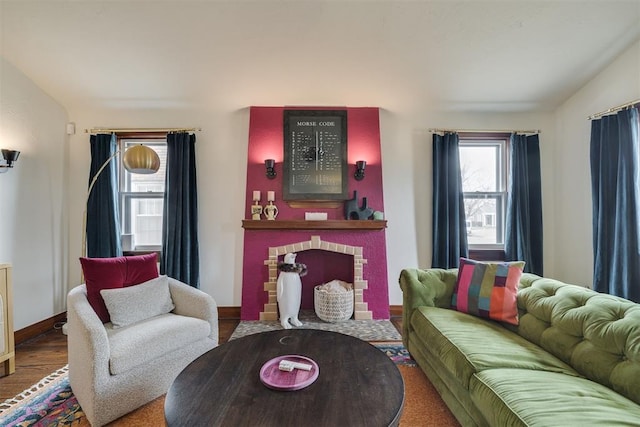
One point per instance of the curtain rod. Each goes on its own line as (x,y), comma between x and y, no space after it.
(140,130)
(613,109)
(436,130)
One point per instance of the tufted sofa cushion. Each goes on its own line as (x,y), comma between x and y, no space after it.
(548,399)
(597,334)
(467,344)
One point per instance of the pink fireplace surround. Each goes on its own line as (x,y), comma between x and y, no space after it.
(355,255)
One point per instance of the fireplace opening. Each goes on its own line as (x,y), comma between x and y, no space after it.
(322,267)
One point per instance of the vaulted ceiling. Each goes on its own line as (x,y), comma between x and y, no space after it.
(454,55)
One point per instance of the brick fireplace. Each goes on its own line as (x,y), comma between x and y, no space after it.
(361,311)
(355,254)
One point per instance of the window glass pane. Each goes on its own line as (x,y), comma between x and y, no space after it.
(147,187)
(142,199)
(482,216)
(479,168)
(144,215)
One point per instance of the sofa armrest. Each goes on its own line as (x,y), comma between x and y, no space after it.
(192,302)
(432,287)
(87,343)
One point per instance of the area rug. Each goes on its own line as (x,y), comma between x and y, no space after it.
(366,330)
(51,402)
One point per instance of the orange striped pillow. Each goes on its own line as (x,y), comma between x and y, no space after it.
(488,289)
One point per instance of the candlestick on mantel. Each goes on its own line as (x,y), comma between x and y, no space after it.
(271,196)
(271,211)
(256,209)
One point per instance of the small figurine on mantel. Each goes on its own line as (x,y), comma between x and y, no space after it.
(271,211)
(289,290)
(352,211)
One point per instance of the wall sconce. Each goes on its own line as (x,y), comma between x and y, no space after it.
(9,156)
(360,165)
(270,164)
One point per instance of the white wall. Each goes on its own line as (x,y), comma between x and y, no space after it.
(221,150)
(619,83)
(32,223)
(407,173)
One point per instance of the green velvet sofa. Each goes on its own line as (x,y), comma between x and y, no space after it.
(573,359)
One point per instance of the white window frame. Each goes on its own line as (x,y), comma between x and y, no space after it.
(501,141)
(125,196)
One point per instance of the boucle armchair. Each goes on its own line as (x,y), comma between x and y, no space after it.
(113,371)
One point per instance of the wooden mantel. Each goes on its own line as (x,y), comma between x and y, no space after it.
(334,224)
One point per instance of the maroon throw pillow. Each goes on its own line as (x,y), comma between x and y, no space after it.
(113,273)
(102,273)
(141,268)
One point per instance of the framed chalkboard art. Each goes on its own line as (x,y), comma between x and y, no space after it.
(315,155)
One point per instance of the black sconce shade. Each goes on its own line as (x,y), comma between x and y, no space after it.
(10,156)
(270,164)
(360,165)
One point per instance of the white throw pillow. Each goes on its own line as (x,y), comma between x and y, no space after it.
(138,302)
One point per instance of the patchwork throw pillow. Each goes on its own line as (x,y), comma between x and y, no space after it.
(113,273)
(133,304)
(488,289)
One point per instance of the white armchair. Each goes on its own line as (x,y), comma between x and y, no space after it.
(113,371)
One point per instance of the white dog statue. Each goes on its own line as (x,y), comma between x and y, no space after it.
(289,290)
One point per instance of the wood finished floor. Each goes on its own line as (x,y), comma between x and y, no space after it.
(42,355)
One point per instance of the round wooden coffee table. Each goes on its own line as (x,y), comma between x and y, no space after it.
(357,385)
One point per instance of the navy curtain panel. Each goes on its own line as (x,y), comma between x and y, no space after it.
(616,211)
(180,258)
(523,228)
(449,227)
(103,217)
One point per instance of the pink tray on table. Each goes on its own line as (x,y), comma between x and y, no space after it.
(272,377)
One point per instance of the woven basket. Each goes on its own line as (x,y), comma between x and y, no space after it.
(333,306)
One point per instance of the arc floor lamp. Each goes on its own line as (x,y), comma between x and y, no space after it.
(139,159)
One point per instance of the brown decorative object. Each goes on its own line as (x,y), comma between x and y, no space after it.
(315,204)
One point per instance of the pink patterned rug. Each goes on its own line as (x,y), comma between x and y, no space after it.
(50,402)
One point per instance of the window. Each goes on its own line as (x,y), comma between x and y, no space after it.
(142,199)
(483,166)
